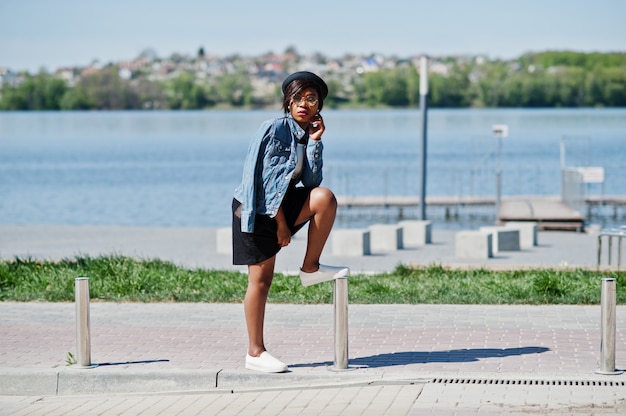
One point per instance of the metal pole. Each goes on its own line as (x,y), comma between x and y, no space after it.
(83,335)
(499,178)
(500,131)
(424,111)
(340,302)
(619,252)
(607,344)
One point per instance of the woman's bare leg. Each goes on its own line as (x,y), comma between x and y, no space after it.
(321,208)
(259,281)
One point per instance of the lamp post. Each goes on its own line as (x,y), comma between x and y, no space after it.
(499,131)
(424,111)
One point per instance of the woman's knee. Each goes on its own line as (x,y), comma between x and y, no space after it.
(259,285)
(260,275)
(323,198)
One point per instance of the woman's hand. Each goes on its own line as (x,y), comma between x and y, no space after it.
(316,127)
(283,234)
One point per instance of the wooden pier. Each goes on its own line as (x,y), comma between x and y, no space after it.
(412,201)
(548,211)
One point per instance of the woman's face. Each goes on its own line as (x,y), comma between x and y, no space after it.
(303,106)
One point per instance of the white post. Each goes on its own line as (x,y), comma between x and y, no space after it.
(607,344)
(83,334)
(340,302)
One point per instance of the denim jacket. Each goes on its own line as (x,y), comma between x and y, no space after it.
(268,168)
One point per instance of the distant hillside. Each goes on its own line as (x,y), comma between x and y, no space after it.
(542,79)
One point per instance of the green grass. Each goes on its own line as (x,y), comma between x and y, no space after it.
(123,279)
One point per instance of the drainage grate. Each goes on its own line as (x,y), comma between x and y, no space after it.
(597,383)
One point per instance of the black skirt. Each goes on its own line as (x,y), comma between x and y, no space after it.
(262,244)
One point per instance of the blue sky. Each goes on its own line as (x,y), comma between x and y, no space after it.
(53,33)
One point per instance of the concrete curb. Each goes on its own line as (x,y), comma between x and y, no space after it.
(77,381)
(100,380)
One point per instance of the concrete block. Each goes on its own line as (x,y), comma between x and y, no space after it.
(385,237)
(503,238)
(473,245)
(527,232)
(351,242)
(224,240)
(415,233)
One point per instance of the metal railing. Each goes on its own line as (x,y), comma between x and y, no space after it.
(618,233)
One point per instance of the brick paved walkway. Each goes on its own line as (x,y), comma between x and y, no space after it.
(405,359)
(397,345)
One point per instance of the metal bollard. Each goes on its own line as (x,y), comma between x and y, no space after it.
(340,301)
(83,333)
(608,316)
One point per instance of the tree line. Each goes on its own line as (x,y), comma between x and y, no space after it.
(547,79)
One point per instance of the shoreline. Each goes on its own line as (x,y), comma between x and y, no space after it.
(196,247)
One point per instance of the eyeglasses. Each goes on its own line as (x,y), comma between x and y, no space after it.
(309,99)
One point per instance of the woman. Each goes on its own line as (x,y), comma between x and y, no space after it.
(268,207)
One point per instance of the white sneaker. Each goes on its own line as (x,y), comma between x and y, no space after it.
(265,363)
(323,274)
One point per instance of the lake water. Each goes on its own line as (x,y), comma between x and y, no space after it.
(180,168)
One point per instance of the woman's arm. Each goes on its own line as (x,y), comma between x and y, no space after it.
(312,170)
(252,166)
(312,173)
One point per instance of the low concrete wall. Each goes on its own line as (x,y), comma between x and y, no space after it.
(351,242)
(415,233)
(503,238)
(224,240)
(385,237)
(527,232)
(473,245)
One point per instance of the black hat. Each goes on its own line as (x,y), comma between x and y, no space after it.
(307,76)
